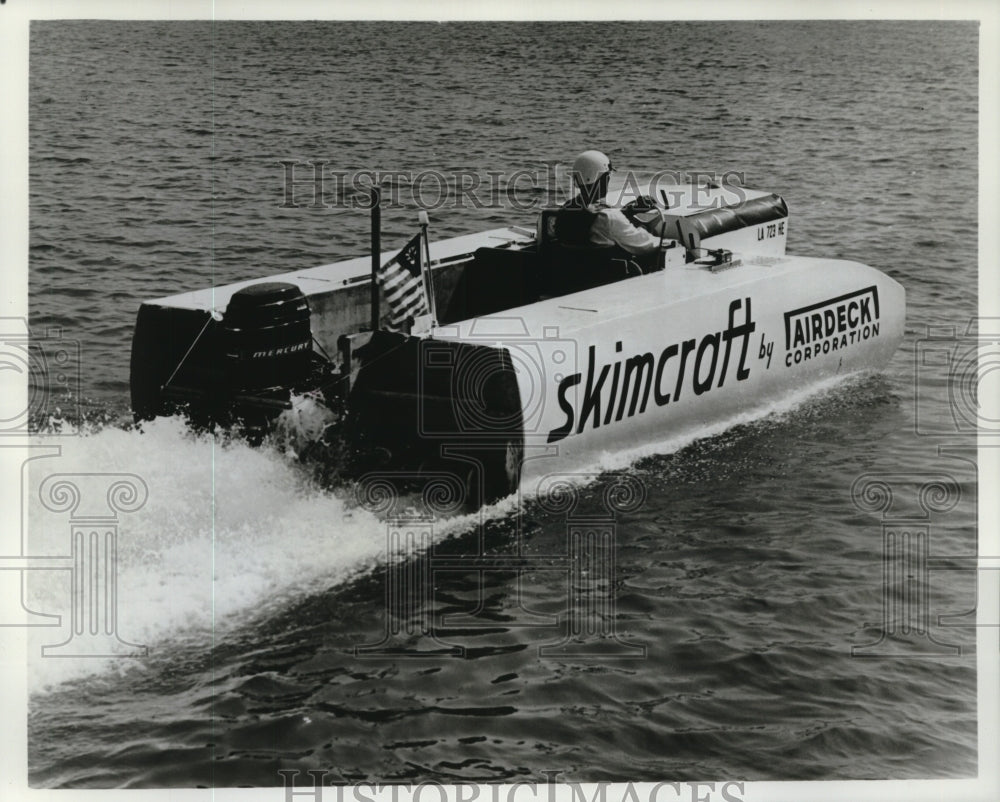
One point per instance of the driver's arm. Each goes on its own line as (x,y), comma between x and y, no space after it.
(612,228)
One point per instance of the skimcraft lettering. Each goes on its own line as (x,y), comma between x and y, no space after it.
(831,325)
(693,364)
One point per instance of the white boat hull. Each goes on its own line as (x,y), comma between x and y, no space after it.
(647,359)
(527,376)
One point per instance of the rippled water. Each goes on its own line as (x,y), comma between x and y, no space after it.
(748,574)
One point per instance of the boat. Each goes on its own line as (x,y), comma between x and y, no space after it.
(538,354)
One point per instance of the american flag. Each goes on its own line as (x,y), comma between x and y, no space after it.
(403,286)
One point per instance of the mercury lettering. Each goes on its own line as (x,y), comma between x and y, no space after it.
(287,349)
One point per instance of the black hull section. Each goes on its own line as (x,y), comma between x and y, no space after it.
(163,336)
(414,407)
(422,406)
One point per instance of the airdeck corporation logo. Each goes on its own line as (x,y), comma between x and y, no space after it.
(831,325)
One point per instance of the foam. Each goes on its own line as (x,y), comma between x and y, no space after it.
(230,532)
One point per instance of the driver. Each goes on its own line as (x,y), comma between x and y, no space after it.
(587,220)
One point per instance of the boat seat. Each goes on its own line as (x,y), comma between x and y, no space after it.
(495,280)
(569,263)
(573,224)
(572,268)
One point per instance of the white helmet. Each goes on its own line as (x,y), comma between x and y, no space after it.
(589,166)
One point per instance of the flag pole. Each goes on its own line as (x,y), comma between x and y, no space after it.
(428,280)
(376,251)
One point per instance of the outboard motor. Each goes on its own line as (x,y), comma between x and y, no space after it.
(266,338)
(242,368)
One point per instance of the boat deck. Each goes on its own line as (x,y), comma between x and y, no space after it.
(671,291)
(337,275)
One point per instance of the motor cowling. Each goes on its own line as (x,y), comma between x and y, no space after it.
(267,339)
